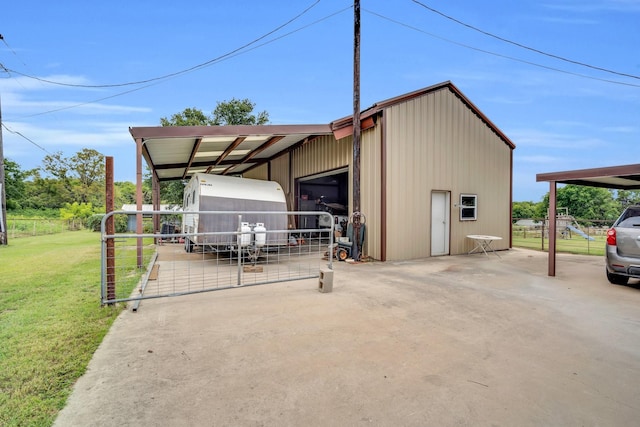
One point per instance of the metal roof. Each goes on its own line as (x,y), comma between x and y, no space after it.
(625,177)
(343,127)
(177,152)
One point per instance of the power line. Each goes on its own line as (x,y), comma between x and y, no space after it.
(561,58)
(21,135)
(174,74)
(499,54)
(224,57)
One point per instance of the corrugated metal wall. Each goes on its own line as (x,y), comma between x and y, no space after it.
(435,142)
(320,155)
(371,189)
(260,172)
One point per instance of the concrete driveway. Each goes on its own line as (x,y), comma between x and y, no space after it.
(448,341)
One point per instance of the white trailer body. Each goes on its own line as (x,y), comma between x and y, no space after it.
(207,192)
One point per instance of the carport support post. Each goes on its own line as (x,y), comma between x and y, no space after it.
(139,200)
(552,228)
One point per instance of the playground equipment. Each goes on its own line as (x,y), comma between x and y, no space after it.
(566,224)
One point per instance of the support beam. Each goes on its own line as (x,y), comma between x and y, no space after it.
(552,228)
(139,200)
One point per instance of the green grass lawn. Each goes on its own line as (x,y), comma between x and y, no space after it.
(576,245)
(51,322)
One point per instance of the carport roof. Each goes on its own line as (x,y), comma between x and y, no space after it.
(177,152)
(625,177)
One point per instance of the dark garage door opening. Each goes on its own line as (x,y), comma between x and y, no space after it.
(325,192)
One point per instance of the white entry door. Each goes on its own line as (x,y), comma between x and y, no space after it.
(440,214)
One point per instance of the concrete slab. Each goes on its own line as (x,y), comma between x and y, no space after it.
(464,340)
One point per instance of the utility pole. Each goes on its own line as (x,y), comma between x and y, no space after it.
(3,197)
(356,131)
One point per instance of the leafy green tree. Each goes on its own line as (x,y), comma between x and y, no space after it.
(524,210)
(79,178)
(77,213)
(188,117)
(627,198)
(585,202)
(234,112)
(238,112)
(46,193)
(15,187)
(125,193)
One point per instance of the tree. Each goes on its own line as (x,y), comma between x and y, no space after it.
(585,202)
(627,198)
(189,117)
(80,177)
(77,212)
(238,112)
(234,112)
(524,210)
(15,187)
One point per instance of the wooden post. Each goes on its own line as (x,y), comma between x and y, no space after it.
(355,252)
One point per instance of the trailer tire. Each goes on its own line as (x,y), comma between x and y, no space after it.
(188,245)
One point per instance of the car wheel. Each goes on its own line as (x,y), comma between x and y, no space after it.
(617,279)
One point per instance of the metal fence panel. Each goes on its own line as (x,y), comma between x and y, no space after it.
(168,262)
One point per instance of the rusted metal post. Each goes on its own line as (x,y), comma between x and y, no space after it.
(110,230)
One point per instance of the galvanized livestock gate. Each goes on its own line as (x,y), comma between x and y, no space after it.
(137,266)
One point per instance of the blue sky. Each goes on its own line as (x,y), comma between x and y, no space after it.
(561,115)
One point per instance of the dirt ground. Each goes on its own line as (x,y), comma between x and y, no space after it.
(448,341)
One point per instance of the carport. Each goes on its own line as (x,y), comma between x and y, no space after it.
(177,152)
(615,177)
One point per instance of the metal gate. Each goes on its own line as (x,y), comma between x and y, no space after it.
(182,253)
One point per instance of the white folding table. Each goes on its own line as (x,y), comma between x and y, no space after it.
(483,242)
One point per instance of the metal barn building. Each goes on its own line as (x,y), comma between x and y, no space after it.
(424,155)
(433,170)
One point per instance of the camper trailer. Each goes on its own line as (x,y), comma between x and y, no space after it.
(219,193)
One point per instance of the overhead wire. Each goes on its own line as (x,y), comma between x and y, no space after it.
(499,54)
(155,81)
(174,74)
(21,135)
(222,58)
(520,45)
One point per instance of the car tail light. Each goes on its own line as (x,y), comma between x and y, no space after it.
(611,237)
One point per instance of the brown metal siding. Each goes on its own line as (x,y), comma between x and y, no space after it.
(435,142)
